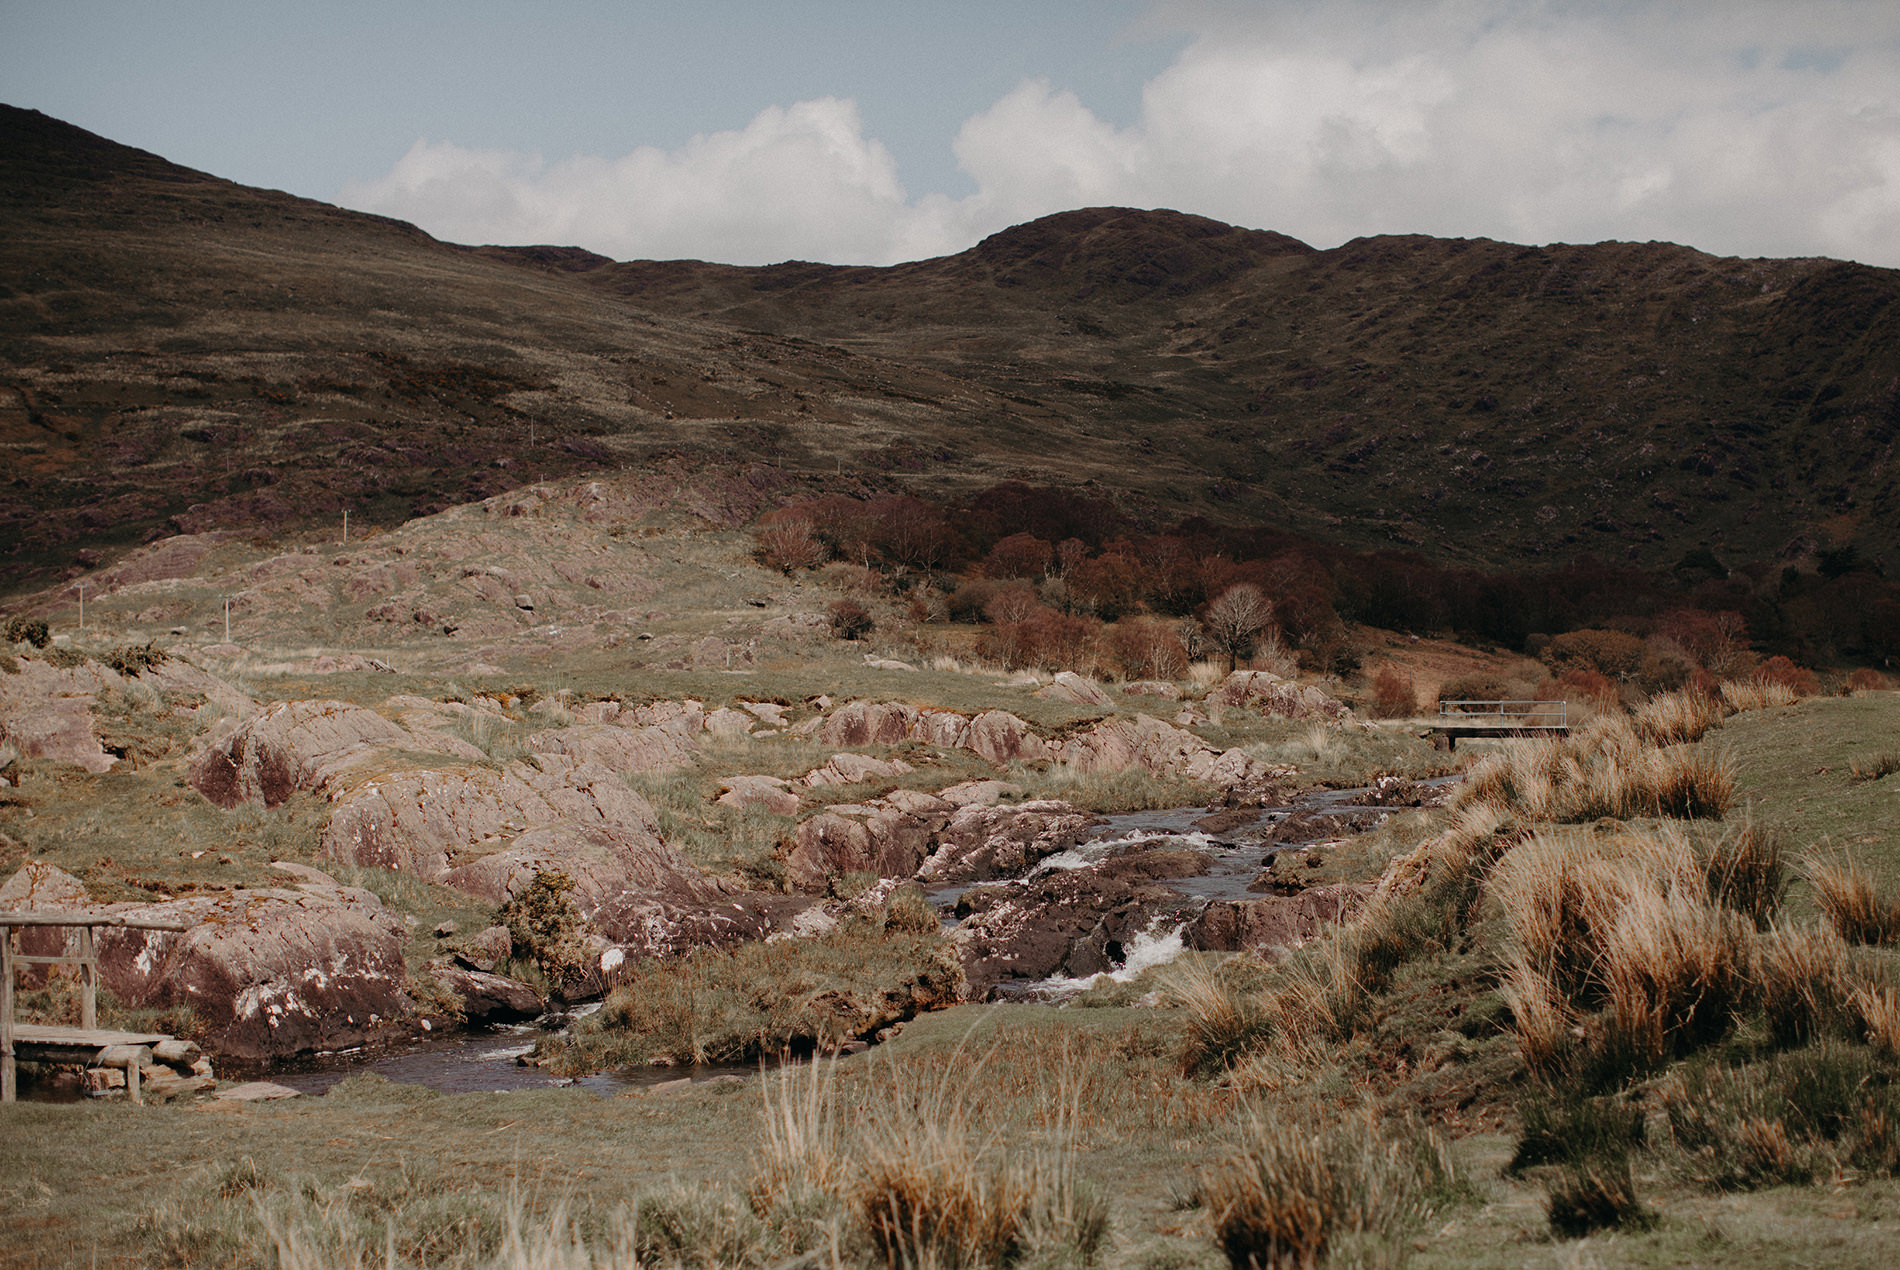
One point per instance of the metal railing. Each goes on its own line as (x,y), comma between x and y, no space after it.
(1508,714)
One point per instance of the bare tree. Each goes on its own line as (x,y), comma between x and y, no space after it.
(1235,618)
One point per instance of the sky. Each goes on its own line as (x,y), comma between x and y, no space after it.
(874,131)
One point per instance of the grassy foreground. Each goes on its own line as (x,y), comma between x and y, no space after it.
(1609,1009)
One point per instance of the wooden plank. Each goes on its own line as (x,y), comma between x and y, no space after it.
(98,1038)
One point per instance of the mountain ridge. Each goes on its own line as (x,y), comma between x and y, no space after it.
(1478,401)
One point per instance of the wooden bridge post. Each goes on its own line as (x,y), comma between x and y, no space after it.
(6,1014)
(89,981)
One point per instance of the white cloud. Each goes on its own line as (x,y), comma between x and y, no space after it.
(1749,129)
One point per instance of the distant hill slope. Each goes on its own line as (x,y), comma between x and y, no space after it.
(179,352)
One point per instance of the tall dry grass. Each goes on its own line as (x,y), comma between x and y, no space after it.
(1607,768)
(1676,718)
(914,1177)
(1756,694)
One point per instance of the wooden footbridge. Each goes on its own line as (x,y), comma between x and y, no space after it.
(1498,719)
(88,1043)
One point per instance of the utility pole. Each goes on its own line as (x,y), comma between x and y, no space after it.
(82,606)
(346,526)
(227,619)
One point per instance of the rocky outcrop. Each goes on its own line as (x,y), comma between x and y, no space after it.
(854,769)
(1164,750)
(295,746)
(983,842)
(1276,923)
(488,832)
(46,712)
(1272,695)
(1001,737)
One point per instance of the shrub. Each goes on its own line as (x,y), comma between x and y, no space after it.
(28,630)
(544,926)
(1865,679)
(1787,1119)
(132,660)
(849,620)
(1746,872)
(1599,1195)
(1756,694)
(1797,679)
(785,542)
(1019,556)
(1148,649)
(1393,696)
(1804,983)
(1611,653)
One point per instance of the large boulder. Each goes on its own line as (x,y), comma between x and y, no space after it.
(487,999)
(267,972)
(488,832)
(1078,690)
(773,793)
(40,887)
(1276,923)
(876,837)
(869,723)
(1001,737)
(619,748)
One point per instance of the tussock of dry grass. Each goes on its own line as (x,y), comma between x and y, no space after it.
(1846,896)
(1297,1188)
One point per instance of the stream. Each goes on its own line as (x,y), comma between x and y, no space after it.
(485,1062)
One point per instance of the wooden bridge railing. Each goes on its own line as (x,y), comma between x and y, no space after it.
(87,959)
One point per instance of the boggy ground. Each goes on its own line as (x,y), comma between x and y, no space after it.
(1359,1100)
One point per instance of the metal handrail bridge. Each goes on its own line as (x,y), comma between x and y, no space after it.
(1499,719)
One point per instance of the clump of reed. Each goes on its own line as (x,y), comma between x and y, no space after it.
(1298,1189)
(1791,1118)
